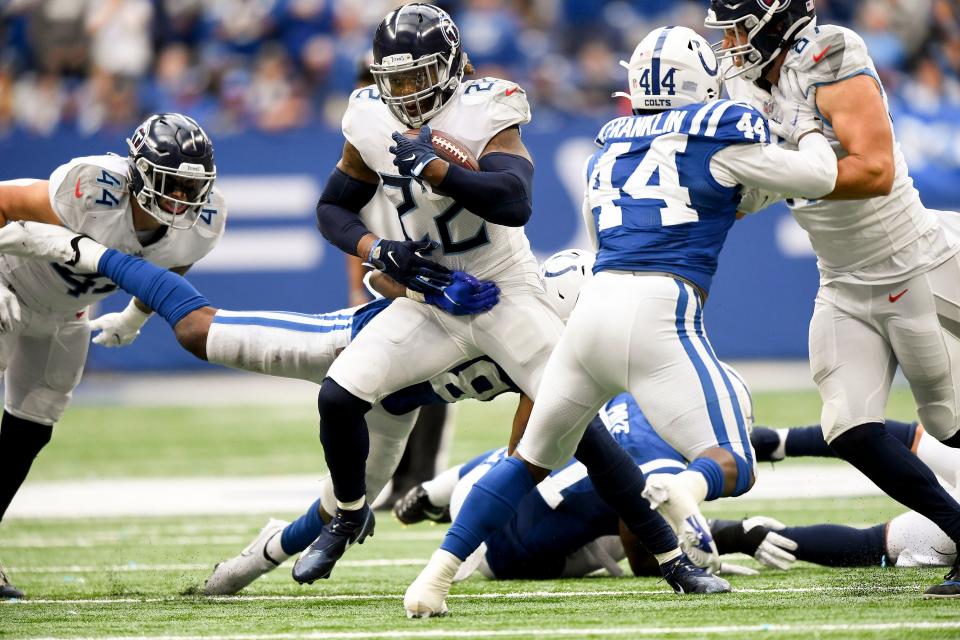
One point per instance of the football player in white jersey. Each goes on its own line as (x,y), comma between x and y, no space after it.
(472,220)
(889,274)
(158,202)
(662,193)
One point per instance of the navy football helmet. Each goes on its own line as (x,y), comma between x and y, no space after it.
(171,168)
(418,62)
(760,29)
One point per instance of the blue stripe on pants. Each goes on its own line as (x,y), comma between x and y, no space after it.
(279,324)
(709,391)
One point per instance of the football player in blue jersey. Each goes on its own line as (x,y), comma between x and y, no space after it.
(662,192)
(305,346)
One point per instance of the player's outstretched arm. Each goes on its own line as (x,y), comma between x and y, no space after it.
(501,192)
(854,108)
(26,200)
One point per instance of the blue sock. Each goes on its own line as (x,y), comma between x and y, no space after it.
(619,482)
(489,506)
(834,545)
(167,293)
(905,432)
(473,463)
(298,535)
(712,473)
(345,440)
(807,441)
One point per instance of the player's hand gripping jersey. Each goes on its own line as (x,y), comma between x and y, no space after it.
(474,114)
(878,240)
(664,189)
(90,196)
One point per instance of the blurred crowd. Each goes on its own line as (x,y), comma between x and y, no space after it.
(273,65)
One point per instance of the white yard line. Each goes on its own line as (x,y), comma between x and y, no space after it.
(553,632)
(158,539)
(514,595)
(135,567)
(291,494)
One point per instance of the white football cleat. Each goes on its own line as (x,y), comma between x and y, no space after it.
(230,576)
(52,243)
(426,596)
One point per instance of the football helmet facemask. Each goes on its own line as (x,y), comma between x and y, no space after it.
(564,274)
(755,32)
(418,62)
(171,168)
(671,67)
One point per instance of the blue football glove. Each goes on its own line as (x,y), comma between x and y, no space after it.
(464,296)
(412,155)
(401,260)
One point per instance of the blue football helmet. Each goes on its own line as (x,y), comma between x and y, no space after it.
(761,30)
(418,62)
(171,168)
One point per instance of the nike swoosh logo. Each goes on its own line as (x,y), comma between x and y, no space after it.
(817,57)
(392,259)
(413,156)
(76,191)
(511,91)
(894,298)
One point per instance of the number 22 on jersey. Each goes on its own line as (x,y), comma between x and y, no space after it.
(621,175)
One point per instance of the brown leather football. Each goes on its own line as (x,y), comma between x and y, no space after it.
(449,149)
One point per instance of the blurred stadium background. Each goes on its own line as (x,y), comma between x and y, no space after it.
(269,78)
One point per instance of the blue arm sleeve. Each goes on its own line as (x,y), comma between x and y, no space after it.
(338,209)
(501,192)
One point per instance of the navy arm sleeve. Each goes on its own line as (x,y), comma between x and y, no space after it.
(501,192)
(338,209)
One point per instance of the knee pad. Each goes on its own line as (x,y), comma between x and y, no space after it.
(336,403)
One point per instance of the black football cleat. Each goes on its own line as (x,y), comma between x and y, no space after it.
(685,577)
(949,588)
(318,560)
(7,590)
(416,507)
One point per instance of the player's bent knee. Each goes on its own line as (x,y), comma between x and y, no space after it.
(953,441)
(745,476)
(192,331)
(336,403)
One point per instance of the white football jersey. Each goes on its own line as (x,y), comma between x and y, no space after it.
(474,114)
(877,240)
(90,196)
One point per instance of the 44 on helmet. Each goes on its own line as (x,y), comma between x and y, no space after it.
(418,62)
(564,274)
(171,168)
(756,31)
(671,67)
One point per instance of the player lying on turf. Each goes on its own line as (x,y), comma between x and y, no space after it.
(661,194)
(159,202)
(563,530)
(303,346)
(889,274)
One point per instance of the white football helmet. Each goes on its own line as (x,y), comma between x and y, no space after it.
(564,274)
(671,67)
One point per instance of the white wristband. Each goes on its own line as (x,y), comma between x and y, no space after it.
(133,314)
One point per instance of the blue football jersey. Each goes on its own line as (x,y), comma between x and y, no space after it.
(655,204)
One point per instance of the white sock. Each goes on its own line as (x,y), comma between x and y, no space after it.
(275,550)
(694,483)
(781,451)
(943,460)
(440,489)
(355,505)
(663,558)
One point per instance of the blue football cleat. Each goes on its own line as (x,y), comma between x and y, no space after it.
(949,588)
(346,528)
(686,577)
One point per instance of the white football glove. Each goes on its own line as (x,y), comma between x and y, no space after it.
(774,550)
(119,329)
(9,310)
(798,114)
